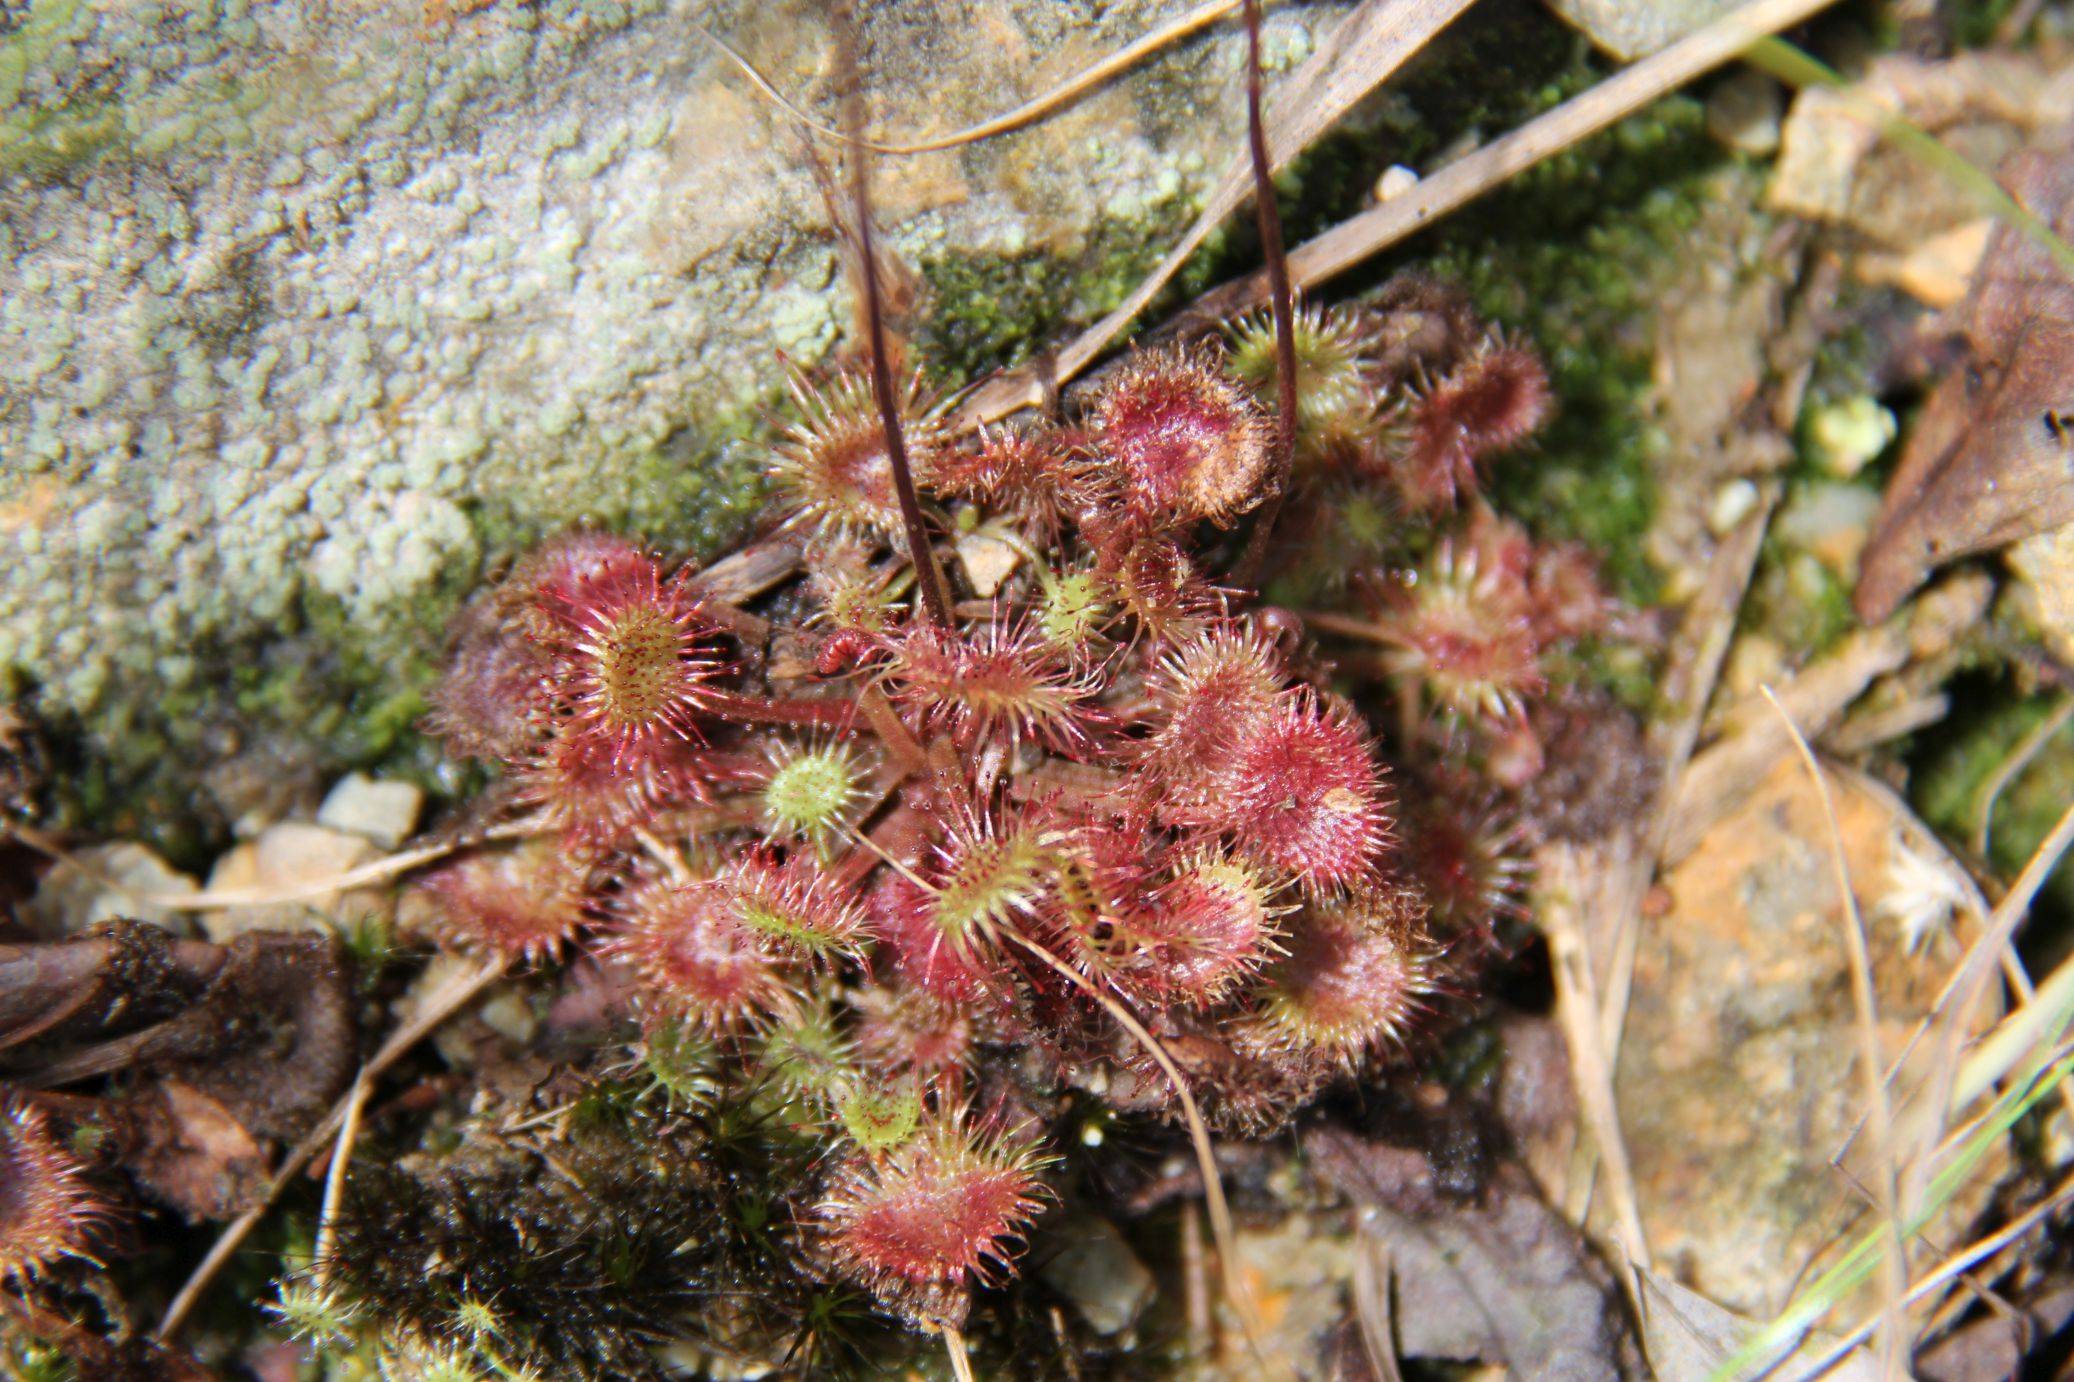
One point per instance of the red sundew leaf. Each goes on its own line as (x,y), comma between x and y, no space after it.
(47,1210)
(693,959)
(526,901)
(943,1209)
(1305,796)
(1185,442)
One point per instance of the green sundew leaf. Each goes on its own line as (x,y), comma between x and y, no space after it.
(881,1119)
(679,1059)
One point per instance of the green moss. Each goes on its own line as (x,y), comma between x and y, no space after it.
(1572,254)
(694,492)
(1976,23)
(988,311)
(1797,600)
(1951,767)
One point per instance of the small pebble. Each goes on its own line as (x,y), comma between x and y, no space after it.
(103,882)
(284,859)
(1744,113)
(1732,504)
(1847,434)
(1395,181)
(1095,1269)
(384,811)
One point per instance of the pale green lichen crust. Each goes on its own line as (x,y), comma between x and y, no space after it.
(308,315)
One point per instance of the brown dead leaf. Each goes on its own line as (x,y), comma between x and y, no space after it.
(193,1156)
(1991,458)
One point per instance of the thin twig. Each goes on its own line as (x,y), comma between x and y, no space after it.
(1015,118)
(335,1178)
(458,991)
(1268,214)
(1872,1068)
(936,599)
(1474,174)
(1198,1133)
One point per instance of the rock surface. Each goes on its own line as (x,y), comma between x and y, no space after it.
(1737,1070)
(287,859)
(1630,29)
(308,310)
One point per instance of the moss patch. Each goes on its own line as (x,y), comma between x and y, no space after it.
(988,311)
(1572,254)
(1951,766)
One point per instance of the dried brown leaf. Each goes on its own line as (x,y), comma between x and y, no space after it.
(1991,458)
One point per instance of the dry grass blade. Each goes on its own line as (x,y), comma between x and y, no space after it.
(1373,1311)
(1607,882)
(1028,113)
(1921,839)
(363,876)
(1945,1272)
(335,1178)
(669,859)
(1871,1067)
(1371,43)
(961,1361)
(1723,776)
(2039,1020)
(1469,177)
(1962,1157)
(442,1003)
(1688,687)
(1577,1012)
(1955,1006)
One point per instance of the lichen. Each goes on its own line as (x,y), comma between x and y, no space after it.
(296,319)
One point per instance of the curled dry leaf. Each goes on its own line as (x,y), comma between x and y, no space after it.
(1991,459)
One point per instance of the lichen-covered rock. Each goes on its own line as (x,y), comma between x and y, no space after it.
(307,312)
